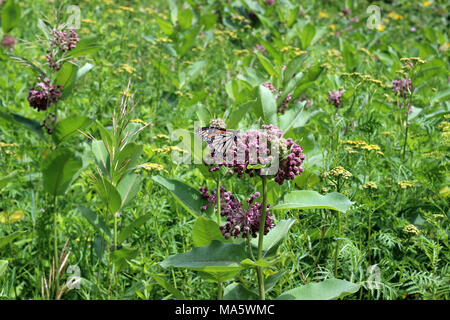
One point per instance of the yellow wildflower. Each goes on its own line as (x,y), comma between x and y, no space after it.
(412,229)
(4,145)
(127,68)
(88,21)
(427,3)
(332,27)
(162,136)
(323,14)
(139,121)
(126,8)
(338,172)
(405,184)
(381,27)
(370,185)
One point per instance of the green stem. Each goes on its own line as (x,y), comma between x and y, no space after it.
(218,201)
(55,232)
(220,290)
(115,232)
(261,238)
(337,244)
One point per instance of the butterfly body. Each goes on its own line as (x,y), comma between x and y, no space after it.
(219,139)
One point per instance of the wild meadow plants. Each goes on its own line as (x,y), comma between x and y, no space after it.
(245,149)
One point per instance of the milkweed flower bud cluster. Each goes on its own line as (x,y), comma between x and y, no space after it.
(402,87)
(261,147)
(334,97)
(43,94)
(8,42)
(239,221)
(62,41)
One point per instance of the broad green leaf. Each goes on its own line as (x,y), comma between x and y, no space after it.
(165,26)
(191,199)
(291,86)
(272,280)
(129,229)
(8,218)
(10,16)
(96,220)
(205,230)
(101,155)
(59,169)
(66,77)
(3,266)
(309,199)
(69,126)
(30,124)
(83,70)
(10,238)
(268,66)
(128,187)
(100,245)
(208,21)
(306,34)
(84,47)
(273,239)
(237,115)
(237,291)
(291,117)
(125,161)
(191,73)
(109,194)
(268,106)
(329,289)
(293,68)
(121,257)
(259,263)
(215,257)
(203,114)
(168,286)
(185,18)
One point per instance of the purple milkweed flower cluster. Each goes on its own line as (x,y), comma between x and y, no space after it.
(269,2)
(43,94)
(402,87)
(346,11)
(8,42)
(259,147)
(259,47)
(63,41)
(291,166)
(334,97)
(239,221)
(284,105)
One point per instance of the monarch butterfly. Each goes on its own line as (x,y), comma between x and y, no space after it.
(218,139)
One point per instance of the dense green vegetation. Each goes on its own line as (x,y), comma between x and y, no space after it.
(93,205)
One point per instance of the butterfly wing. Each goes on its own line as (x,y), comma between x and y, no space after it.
(218,139)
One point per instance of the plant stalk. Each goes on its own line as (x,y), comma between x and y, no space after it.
(261,238)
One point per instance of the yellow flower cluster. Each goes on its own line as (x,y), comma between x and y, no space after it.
(187,94)
(128,68)
(168,149)
(322,14)
(334,53)
(126,8)
(365,78)
(88,21)
(338,172)
(243,52)
(370,185)
(5,145)
(395,15)
(427,3)
(295,50)
(410,228)
(139,121)
(230,33)
(163,40)
(362,145)
(153,166)
(405,184)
